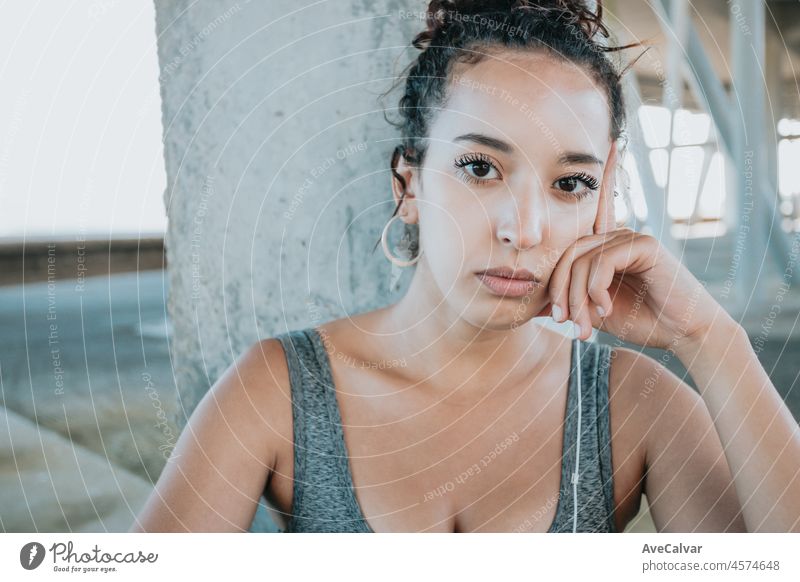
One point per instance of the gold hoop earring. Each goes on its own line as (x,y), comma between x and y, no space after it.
(394,260)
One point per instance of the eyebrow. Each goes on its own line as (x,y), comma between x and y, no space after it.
(578,158)
(488,141)
(564,159)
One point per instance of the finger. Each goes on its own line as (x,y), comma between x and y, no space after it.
(602,270)
(618,259)
(579,298)
(558,288)
(606,220)
(601,273)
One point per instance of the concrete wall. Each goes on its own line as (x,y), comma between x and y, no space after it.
(277,159)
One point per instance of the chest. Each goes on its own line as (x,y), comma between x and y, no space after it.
(451,463)
(489,465)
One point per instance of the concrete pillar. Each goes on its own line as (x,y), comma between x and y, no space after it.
(277,158)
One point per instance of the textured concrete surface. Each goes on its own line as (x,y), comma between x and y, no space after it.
(277,157)
(91,363)
(87,398)
(51,484)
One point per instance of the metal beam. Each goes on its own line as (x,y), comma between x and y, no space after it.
(707,87)
(654,195)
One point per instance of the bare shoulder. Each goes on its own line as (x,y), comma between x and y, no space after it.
(258,389)
(646,388)
(686,476)
(225,455)
(267,372)
(632,378)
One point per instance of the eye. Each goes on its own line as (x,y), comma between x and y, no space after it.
(568,185)
(475,167)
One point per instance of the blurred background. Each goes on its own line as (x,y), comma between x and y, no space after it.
(161,206)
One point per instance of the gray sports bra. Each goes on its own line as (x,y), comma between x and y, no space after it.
(324,497)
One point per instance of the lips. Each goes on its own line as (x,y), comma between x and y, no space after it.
(507,282)
(509,273)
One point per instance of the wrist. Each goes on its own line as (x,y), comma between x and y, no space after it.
(714,340)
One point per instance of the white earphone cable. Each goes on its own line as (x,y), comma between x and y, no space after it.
(576,474)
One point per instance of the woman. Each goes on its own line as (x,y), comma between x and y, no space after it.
(452,410)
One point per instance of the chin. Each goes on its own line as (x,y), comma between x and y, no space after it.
(506,317)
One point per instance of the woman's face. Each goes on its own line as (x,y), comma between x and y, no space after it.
(511,178)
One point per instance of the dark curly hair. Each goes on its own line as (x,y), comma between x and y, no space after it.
(463,31)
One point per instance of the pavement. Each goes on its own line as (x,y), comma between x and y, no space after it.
(51,484)
(88,398)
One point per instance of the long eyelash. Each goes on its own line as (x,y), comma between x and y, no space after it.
(590,181)
(471,158)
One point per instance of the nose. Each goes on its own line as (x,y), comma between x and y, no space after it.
(523,220)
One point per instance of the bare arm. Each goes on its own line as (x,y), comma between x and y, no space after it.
(688,482)
(224,456)
(760,437)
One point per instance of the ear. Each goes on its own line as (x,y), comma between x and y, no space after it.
(409,213)
(606,220)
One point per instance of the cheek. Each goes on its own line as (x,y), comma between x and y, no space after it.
(452,214)
(565,233)
(444,237)
(570,224)
(453,230)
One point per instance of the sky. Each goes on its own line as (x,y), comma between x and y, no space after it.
(80,120)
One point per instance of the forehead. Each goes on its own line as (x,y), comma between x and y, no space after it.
(524,98)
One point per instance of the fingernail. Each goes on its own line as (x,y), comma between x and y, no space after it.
(600,311)
(576,329)
(557,315)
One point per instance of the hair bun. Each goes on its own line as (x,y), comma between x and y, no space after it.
(578,12)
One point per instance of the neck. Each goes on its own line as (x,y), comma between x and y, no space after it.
(442,344)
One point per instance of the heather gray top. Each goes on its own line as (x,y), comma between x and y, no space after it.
(324,497)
